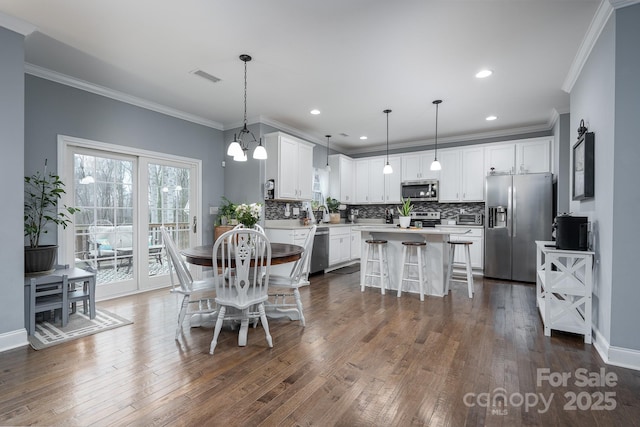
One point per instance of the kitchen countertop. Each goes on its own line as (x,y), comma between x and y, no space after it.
(388,228)
(294,224)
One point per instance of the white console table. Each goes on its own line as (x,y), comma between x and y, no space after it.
(564,282)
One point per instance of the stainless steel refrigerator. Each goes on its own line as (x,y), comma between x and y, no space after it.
(518,211)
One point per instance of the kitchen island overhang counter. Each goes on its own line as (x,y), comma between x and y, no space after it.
(436,254)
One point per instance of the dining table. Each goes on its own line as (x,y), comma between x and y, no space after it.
(281,253)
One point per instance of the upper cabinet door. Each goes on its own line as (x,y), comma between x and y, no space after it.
(533,156)
(393,182)
(305,171)
(292,168)
(411,168)
(500,157)
(473,174)
(376,180)
(288,156)
(362,181)
(449,176)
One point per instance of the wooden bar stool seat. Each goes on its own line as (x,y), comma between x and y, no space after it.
(452,250)
(375,254)
(413,248)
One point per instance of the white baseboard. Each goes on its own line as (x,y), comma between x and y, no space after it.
(13,339)
(617,356)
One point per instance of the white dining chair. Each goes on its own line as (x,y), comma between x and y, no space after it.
(279,303)
(240,296)
(186,286)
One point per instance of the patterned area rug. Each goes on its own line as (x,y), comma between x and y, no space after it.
(79,325)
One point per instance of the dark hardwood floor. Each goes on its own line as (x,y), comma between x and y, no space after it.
(363,360)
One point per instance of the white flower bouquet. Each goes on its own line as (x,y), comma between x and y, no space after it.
(248,214)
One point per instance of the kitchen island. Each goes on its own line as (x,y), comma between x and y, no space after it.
(436,258)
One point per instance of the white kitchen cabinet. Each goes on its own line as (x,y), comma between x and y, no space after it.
(370,181)
(462,175)
(533,156)
(290,164)
(393,181)
(521,156)
(341,178)
(500,158)
(291,236)
(339,245)
(472,175)
(355,242)
(476,250)
(449,176)
(417,166)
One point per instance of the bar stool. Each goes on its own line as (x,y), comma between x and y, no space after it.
(406,266)
(376,247)
(452,250)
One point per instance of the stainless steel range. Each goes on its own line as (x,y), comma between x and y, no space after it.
(427,219)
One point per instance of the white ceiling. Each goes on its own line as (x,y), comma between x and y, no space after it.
(351,59)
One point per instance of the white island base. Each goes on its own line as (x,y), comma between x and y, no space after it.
(436,255)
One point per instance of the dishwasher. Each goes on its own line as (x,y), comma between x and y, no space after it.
(320,251)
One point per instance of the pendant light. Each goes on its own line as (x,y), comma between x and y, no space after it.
(436,166)
(328,168)
(387,168)
(238,148)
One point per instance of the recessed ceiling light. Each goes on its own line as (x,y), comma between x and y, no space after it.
(483,73)
(491,118)
(315,112)
(363,137)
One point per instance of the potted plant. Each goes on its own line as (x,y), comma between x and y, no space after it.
(227,211)
(42,192)
(405,212)
(333,207)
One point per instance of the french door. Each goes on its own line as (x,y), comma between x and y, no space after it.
(124,197)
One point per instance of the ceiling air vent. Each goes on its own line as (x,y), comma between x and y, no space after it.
(344,134)
(206,75)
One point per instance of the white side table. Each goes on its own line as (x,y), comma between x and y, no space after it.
(564,282)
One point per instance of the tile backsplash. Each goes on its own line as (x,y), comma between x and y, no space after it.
(274,209)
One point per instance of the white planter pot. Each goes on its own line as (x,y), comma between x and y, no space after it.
(405,221)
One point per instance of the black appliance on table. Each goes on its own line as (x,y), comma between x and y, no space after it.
(572,232)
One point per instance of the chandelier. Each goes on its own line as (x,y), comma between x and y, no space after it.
(238,148)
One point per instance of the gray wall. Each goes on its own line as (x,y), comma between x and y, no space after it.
(562,161)
(607,97)
(593,99)
(625,315)
(53,109)
(12,173)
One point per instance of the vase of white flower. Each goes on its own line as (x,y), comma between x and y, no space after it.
(248,214)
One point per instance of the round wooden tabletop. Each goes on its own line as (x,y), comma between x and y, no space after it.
(281,253)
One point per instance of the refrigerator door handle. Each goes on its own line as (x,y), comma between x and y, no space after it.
(510,210)
(514,212)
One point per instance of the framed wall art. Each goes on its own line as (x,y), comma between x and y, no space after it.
(583,164)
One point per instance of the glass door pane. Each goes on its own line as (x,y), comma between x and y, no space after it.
(104,229)
(169,203)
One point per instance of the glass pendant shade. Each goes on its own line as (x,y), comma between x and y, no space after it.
(240,158)
(260,152)
(234,149)
(436,166)
(387,169)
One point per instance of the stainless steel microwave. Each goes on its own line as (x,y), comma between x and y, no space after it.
(426,190)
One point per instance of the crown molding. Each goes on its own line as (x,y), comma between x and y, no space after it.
(16,25)
(290,130)
(450,139)
(617,4)
(66,80)
(605,9)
